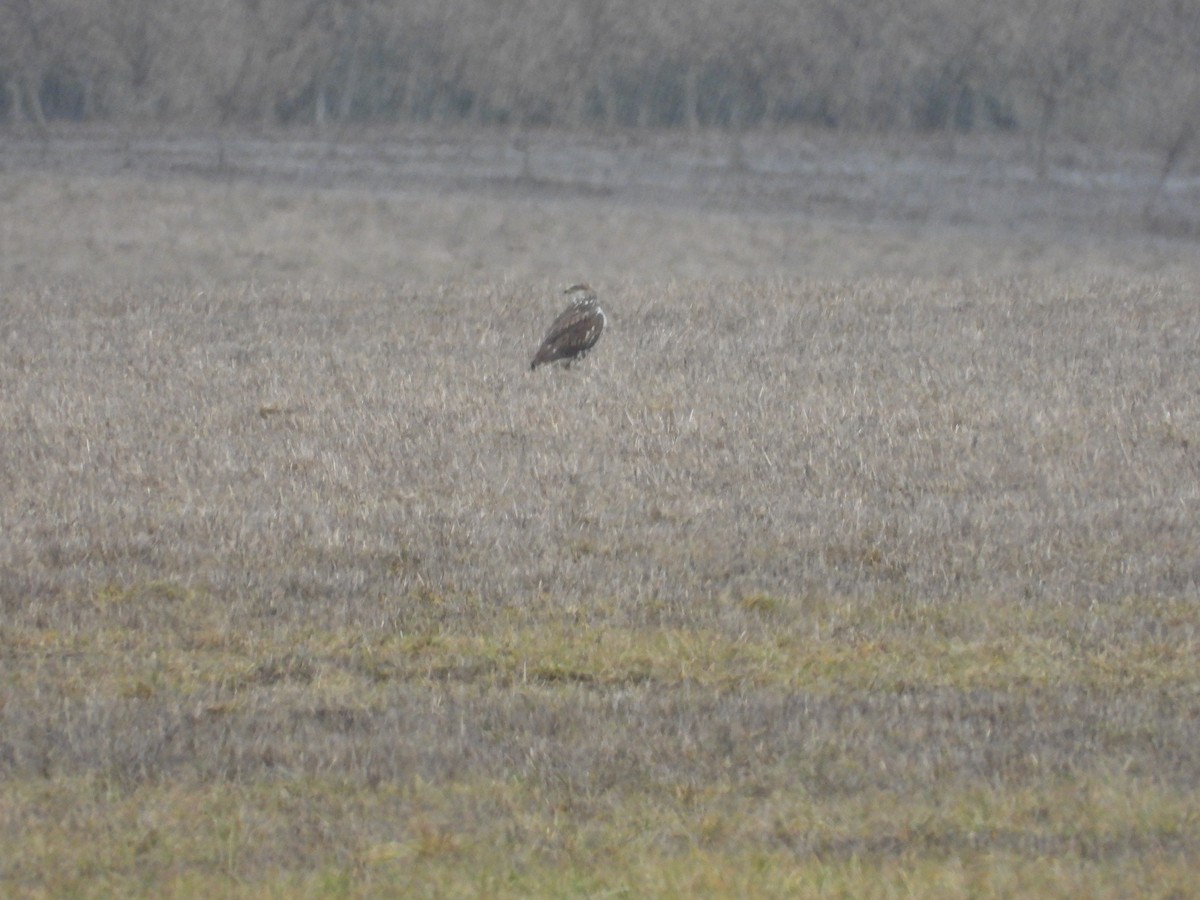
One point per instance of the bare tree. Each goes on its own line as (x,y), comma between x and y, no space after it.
(951,47)
(1063,52)
(27,50)
(1168,78)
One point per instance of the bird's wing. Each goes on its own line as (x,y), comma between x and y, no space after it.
(575,330)
(571,321)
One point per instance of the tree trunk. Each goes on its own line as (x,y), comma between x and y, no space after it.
(350,84)
(691,99)
(16,111)
(1185,136)
(1049,107)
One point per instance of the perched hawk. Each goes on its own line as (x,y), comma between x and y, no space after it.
(576,329)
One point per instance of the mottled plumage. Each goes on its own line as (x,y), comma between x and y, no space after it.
(576,329)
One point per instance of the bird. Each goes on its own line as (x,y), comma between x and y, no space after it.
(576,329)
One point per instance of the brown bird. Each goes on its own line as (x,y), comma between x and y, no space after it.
(576,329)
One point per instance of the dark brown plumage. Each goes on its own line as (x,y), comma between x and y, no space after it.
(576,329)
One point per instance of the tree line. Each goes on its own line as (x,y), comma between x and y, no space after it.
(1092,69)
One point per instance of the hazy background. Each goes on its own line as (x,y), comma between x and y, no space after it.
(1113,71)
(422,141)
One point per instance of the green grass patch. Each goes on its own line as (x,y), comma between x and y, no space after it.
(314,837)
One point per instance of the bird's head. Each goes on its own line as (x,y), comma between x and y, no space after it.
(580,293)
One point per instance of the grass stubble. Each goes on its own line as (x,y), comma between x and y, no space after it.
(872,587)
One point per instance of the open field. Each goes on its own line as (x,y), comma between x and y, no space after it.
(826,582)
(428,207)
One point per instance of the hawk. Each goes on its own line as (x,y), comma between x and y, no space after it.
(576,329)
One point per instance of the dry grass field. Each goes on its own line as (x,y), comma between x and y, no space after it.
(874,583)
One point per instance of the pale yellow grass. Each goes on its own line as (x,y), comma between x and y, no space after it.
(876,586)
(204,231)
(830,572)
